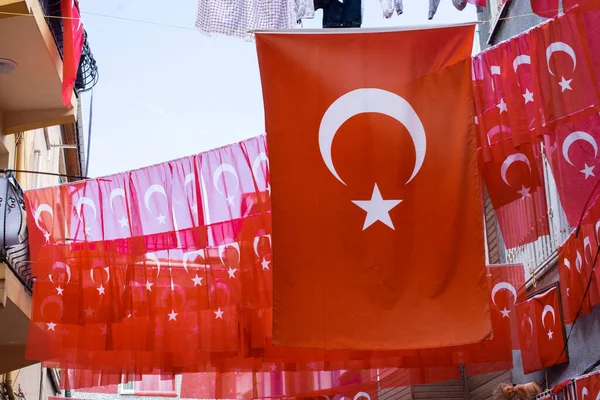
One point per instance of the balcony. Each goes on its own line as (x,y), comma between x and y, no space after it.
(16,281)
(31,32)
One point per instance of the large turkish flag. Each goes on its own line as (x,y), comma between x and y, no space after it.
(377,226)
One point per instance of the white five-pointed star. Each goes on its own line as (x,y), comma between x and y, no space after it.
(588,171)
(47,236)
(51,326)
(550,333)
(265,264)
(195,329)
(273,367)
(377,209)
(230,199)
(528,96)
(103,330)
(149,285)
(312,365)
(197,280)
(157,331)
(161,219)
(100,289)
(173,316)
(232,272)
(502,106)
(124,223)
(89,312)
(524,192)
(59,290)
(505,313)
(565,84)
(218,313)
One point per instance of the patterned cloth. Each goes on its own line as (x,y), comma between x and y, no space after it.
(305,9)
(239,18)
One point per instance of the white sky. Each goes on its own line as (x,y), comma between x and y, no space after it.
(168,92)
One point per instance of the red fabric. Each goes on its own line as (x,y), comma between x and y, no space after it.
(575,259)
(72,46)
(377,136)
(545,8)
(572,151)
(515,182)
(588,386)
(481,3)
(541,331)
(519,88)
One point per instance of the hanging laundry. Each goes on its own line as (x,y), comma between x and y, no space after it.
(342,14)
(387,6)
(459,4)
(398,6)
(239,18)
(305,9)
(433,6)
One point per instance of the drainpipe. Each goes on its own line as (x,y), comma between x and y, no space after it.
(8,381)
(20,158)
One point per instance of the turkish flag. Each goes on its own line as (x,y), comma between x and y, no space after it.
(588,386)
(545,8)
(72,46)
(375,195)
(541,331)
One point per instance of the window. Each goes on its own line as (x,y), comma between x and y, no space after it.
(149,385)
(126,388)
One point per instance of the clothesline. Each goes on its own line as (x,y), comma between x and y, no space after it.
(191,28)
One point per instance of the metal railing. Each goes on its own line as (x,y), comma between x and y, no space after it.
(534,254)
(87,74)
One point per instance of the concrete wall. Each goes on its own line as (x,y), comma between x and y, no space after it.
(518,19)
(35,383)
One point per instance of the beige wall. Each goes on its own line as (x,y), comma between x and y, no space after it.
(29,379)
(41,154)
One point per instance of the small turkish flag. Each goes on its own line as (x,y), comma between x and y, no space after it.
(376,204)
(72,46)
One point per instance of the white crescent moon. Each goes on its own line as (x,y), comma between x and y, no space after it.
(174,288)
(116,193)
(189,178)
(575,136)
(379,101)
(152,257)
(88,202)
(222,248)
(587,242)
(494,70)
(106,269)
(220,171)
(585,392)
(596,227)
(560,46)
(505,286)
(223,286)
(38,211)
(362,394)
(64,267)
(186,257)
(598,397)
(530,324)
(578,261)
(567,263)
(51,299)
(521,59)
(548,309)
(151,190)
(256,164)
(495,130)
(256,240)
(511,159)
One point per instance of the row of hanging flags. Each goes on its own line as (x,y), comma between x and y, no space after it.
(347,255)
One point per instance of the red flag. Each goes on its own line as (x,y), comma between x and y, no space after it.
(545,8)
(588,386)
(72,46)
(541,331)
(380,183)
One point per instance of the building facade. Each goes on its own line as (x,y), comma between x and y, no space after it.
(40,139)
(499,22)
